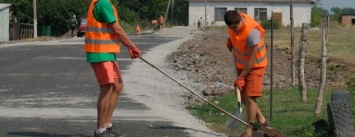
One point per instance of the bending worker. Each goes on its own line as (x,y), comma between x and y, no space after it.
(247,43)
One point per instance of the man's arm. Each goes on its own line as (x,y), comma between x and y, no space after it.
(122,34)
(229,44)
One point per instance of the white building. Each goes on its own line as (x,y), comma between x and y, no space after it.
(4,22)
(212,11)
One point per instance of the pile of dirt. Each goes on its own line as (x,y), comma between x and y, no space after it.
(206,60)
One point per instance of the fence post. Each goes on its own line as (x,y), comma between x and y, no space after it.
(323,71)
(302,83)
(293,68)
(272,63)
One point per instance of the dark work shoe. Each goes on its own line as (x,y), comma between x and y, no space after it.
(103,134)
(113,131)
(266,123)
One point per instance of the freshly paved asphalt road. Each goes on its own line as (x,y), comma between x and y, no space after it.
(48,90)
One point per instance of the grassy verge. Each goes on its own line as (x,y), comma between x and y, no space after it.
(293,117)
(339,44)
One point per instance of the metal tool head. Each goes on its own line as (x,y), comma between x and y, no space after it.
(232,123)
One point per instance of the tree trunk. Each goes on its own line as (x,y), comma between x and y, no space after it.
(302,83)
(323,72)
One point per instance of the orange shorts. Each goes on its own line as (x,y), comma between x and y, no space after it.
(253,82)
(106,72)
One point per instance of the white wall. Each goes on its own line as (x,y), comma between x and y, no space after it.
(301,11)
(4,22)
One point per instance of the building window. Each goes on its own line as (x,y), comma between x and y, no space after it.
(260,14)
(244,10)
(219,14)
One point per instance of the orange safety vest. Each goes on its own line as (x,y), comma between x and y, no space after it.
(240,45)
(99,37)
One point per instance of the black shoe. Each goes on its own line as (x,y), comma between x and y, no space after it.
(103,134)
(113,131)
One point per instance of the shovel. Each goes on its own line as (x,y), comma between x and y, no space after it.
(231,123)
(269,132)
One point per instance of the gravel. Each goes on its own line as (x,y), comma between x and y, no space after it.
(164,96)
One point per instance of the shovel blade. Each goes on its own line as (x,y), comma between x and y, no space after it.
(232,123)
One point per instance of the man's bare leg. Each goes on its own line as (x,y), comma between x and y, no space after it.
(117,88)
(259,116)
(103,105)
(252,112)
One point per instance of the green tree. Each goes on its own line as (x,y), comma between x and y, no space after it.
(348,11)
(181,12)
(337,12)
(317,14)
(58,13)
(21,10)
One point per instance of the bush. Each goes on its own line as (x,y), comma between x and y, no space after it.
(267,24)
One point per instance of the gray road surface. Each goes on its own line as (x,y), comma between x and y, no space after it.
(48,90)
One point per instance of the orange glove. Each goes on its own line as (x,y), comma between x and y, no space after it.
(134,52)
(229,44)
(239,82)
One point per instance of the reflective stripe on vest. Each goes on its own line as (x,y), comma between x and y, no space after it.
(240,45)
(102,30)
(102,42)
(246,54)
(258,61)
(98,36)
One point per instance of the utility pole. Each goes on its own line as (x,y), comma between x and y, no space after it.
(205,13)
(166,13)
(172,11)
(34,19)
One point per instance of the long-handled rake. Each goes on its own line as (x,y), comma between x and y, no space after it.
(269,132)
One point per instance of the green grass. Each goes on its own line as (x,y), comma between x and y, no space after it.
(340,42)
(289,114)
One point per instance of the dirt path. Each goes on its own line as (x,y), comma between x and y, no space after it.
(206,60)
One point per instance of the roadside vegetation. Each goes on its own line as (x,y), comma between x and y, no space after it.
(58,13)
(293,117)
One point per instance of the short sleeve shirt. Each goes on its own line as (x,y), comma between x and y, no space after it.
(103,12)
(73,22)
(253,38)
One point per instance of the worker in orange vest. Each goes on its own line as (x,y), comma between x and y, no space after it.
(154,24)
(161,22)
(246,41)
(138,29)
(103,35)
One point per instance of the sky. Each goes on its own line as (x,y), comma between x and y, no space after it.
(328,4)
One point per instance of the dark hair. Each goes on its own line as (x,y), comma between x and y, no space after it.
(232,17)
